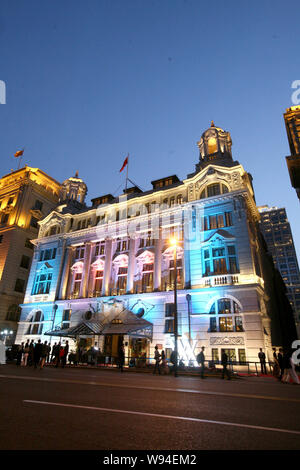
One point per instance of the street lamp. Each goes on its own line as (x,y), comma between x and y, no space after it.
(6,333)
(174,242)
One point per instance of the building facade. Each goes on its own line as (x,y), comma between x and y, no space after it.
(292,123)
(104,274)
(26,196)
(277,233)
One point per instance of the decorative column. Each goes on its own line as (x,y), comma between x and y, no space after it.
(131,266)
(66,273)
(86,270)
(157,262)
(107,267)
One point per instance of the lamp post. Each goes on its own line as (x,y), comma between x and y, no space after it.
(174,244)
(6,334)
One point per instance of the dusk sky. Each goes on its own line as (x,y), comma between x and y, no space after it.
(89,81)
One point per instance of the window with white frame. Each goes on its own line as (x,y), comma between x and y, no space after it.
(219,260)
(42,282)
(35,323)
(147,276)
(225,316)
(98,282)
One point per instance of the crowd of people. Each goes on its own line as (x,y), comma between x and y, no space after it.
(38,354)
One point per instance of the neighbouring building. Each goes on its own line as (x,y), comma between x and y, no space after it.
(277,233)
(104,274)
(292,123)
(26,196)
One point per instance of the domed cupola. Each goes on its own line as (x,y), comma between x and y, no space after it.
(215,147)
(73,189)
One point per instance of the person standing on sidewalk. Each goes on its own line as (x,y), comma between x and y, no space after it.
(224,362)
(262,359)
(201,359)
(121,358)
(157,357)
(44,354)
(289,368)
(280,362)
(26,354)
(37,353)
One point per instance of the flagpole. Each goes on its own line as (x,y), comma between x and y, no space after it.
(127,173)
(20,161)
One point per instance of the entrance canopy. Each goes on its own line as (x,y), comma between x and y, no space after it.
(121,323)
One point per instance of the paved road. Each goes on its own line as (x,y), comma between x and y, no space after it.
(97,409)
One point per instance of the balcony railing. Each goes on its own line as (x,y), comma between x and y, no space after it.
(226,279)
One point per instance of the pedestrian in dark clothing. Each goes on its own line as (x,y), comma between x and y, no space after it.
(157,357)
(200,359)
(31,353)
(262,358)
(64,356)
(37,353)
(48,353)
(224,362)
(276,368)
(121,358)
(53,352)
(20,353)
(58,354)
(44,354)
(280,363)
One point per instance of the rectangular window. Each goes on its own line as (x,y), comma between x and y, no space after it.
(169,310)
(79,253)
(212,222)
(215,354)
(42,284)
(228,219)
(4,218)
(226,324)
(28,244)
(242,356)
(219,266)
(238,324)
(230,354)
(77,284)
(213,190)
(38,205)
(20,285)
(25,262)
(220,221)
(169,326)
(212,324)
(1,238)
(34,222)
(98,283)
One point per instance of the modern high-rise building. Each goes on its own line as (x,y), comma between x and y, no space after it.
(27,195)
(104,274)
(292,123)
(277,233)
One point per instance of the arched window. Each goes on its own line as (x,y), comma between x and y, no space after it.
(179,199)
(214,189)
(36,323)
(225,316)
(13,313)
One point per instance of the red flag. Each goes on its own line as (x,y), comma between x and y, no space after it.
(19,153)
(124,164)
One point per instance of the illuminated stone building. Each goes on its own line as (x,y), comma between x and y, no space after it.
(26,196)
(292,123)
(277,233)
(105,273)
